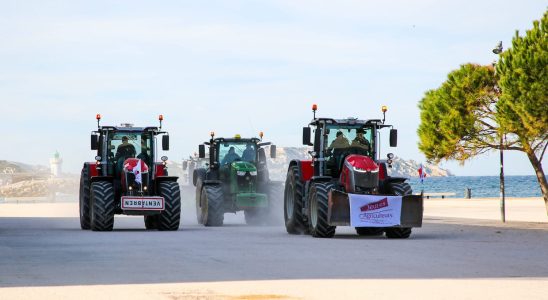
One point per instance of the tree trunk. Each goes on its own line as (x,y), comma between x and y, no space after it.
(537,165)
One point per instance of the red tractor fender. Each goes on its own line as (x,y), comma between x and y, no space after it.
(304,167)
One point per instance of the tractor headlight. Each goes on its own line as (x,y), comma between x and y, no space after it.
(253,173)
(240,173)
(164,158)
(98,158)
(390,155)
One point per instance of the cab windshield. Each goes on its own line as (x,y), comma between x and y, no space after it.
(339,137)
(237,151)
(123,145)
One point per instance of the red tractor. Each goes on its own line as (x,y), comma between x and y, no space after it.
(346,183)
(125,179)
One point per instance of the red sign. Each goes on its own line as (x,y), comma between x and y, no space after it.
(375,205)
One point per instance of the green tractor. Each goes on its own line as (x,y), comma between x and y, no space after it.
(236,178)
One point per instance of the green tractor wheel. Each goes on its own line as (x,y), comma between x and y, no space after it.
(212,205)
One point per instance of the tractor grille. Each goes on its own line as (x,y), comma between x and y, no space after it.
(245,182)
(366,180)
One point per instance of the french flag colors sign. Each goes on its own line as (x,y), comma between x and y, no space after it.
(374,211)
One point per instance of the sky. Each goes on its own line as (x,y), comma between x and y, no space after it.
(236,67)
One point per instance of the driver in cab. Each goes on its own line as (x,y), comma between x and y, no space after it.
(360,141)
(125,149)
(230,156)
(340,141)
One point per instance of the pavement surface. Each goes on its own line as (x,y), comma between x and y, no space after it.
(456,254)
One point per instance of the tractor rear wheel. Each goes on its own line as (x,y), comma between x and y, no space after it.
(369,231)
(102,206)
(318,200)
(293,202)
(212,205)
(400,189)
(171,215)
(85,218)
(151,222)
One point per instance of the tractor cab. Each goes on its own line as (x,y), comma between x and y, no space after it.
(336,139)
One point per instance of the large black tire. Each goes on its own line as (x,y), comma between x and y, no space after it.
(170,217)
(212,205)
(151,222)
(85,217)
(318,200)
(369,231)
(102,206)
(293,203)
(400,189)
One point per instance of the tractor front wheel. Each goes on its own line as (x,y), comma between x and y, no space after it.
(212,205)
(399,189)
(102,206)
(171,215)
(85,215)
(293,203)
(318,197)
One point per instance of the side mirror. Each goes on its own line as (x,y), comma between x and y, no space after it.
(306,136)
(393,137)
(201,151)
(272,151)
(185,165)
(165,142)
(94,143)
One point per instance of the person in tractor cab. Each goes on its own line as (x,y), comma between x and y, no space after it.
(124,151)
(340,141)
(230,156)
(249,153)
(360,141)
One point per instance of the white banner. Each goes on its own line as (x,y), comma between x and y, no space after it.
(374,210)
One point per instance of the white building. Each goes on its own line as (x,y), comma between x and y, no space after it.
(55,164)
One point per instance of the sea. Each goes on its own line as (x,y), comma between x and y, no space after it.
(480,186)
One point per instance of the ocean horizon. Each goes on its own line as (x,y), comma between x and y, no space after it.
(480,186)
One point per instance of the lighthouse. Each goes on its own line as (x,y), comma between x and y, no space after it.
(55,164)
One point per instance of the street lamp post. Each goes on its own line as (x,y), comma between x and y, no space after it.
(497,50)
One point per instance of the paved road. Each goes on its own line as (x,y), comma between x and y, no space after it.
(54,252)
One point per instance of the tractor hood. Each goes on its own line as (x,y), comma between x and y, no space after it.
(361,163)
(243,166)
